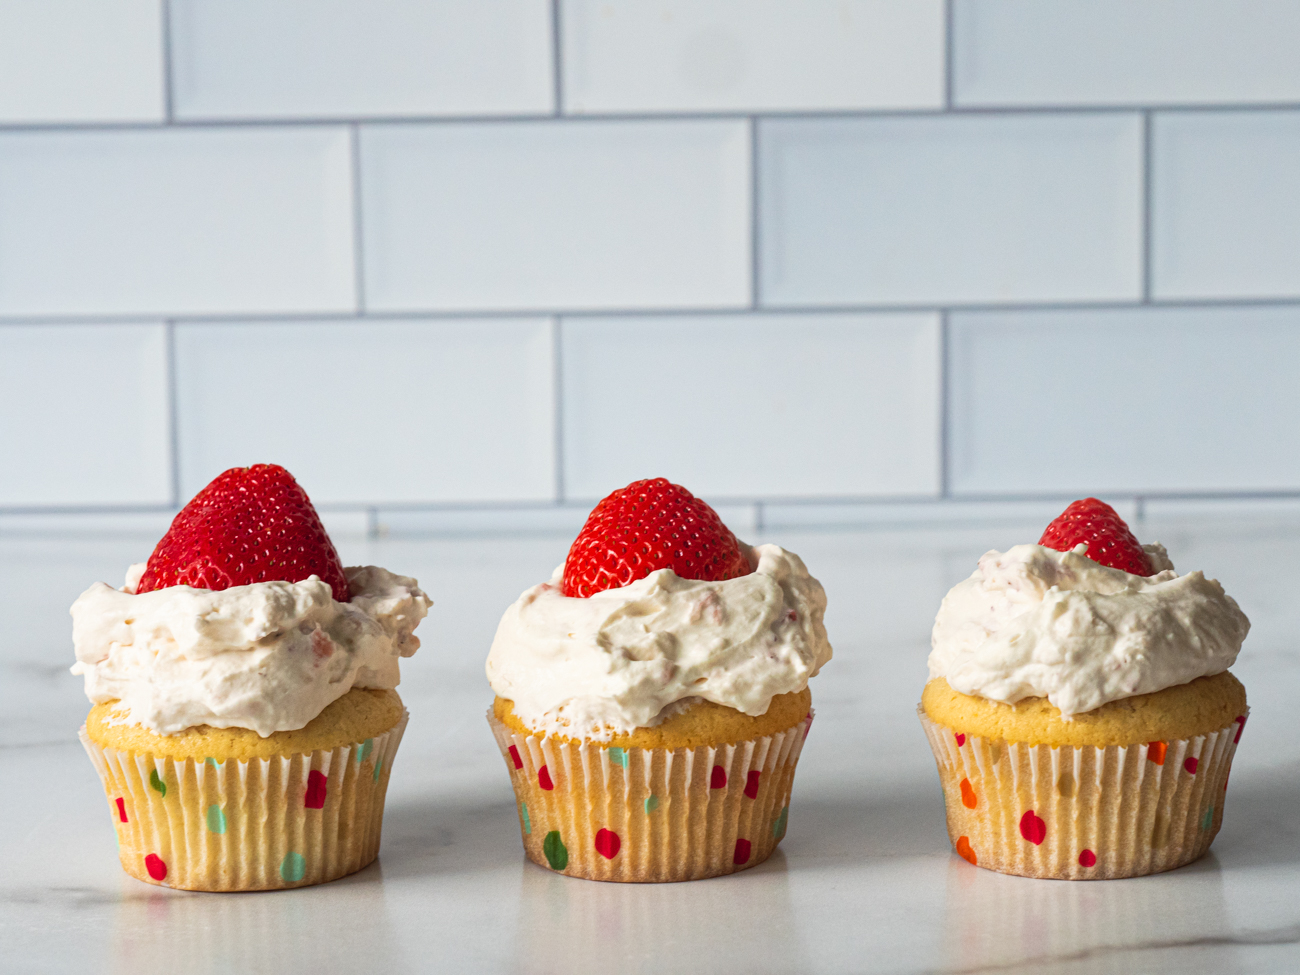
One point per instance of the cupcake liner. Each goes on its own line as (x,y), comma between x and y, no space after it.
(262,824)
(1082,813)
(640,815)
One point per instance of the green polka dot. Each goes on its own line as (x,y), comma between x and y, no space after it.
(1208,819)
(157,784)
(293,867)
(212,761)
(778,827)
(618,756)
(651,803)
(379,763)
(216,819)
(523,813)
(364,749)
(557,854)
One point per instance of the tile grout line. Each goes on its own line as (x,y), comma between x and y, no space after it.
(767,310)
(165,20)
(754,225)
(173,411)
(557,63)
(557,400)
(657,116)
(945,405)
(1147,122)
(358,238)
(948,56)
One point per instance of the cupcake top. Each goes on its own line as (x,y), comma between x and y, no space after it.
(268,656)
(243,617)
(658,606)
(1037,622)
(617,660)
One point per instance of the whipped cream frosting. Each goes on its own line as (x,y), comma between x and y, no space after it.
(268,657)
(626,658)
(1034,622)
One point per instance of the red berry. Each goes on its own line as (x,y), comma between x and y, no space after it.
(646,526)
(251,524)
(1109,540)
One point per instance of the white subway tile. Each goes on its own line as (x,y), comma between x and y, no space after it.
(1128,401)
(366,412)
(173,222)
(752,55)
(339,58)
(574,215)
(753,406)
(85,415)
(936,210)
(81,61)
(1226,204)
(1124,52)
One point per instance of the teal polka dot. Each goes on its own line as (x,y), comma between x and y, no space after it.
(651,803)
(618,756)
(778,827)
(212,761)
(379,762)
(364,749)
(1208,819)
(523,812)
(293,867)
(157,784)
(216,819)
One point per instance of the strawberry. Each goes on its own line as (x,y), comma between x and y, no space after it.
(1109,540)
(646,526)
(251,524)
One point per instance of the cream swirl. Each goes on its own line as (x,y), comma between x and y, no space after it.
(621,659)
(1034,622)
(268,657)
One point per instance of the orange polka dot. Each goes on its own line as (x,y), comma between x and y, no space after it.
(968,794)
(1156,751)
(964,850)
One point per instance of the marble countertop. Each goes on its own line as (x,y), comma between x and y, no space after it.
(865,880)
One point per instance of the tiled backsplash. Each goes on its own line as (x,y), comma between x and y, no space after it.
(464,266)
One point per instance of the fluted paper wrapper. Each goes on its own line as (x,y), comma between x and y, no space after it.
(643,815)
(263,824)
(1085,813)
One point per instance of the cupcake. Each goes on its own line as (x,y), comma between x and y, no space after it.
(1080,707)
(245,718)
(652,696)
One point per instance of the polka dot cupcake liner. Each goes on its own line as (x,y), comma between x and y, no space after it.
(263,824)
(644,815)
(1070,813)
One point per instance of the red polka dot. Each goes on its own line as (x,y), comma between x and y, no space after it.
(1033,828)
(965,851)
(121,808)
(751,784)
(961,739)
(719,778)
(742,852)
(154,864)
(608,843)
(317,786)
(1190,765)
(1241,726)
(968,798)
(544,778)
(1087,859)
(514,757)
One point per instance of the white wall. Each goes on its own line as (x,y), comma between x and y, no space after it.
(472,265)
